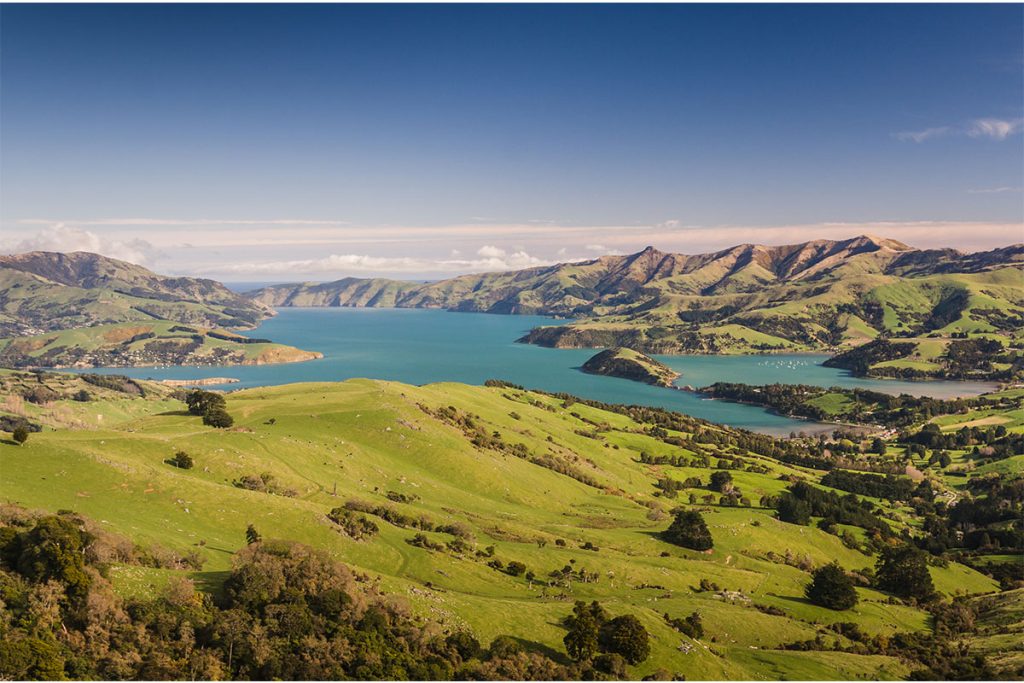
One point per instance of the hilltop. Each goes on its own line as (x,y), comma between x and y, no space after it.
(82,310)
(815,296)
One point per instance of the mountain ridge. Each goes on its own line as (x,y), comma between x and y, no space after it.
(813,296)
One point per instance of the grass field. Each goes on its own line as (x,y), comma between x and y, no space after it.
(361,439)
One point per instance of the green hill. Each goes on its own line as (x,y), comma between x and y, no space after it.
(819,295)
(461,481)
(82,309)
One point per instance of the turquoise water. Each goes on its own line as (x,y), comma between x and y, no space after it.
(418,346)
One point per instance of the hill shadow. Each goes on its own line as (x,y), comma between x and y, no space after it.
(542,649)
(176,413)
(211,582)
(794,598)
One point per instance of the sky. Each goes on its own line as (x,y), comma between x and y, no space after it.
(285,142)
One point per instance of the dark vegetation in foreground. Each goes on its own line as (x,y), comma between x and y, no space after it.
(288,611)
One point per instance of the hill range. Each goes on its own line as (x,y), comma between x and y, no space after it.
(816,296)
(824,296)
(84,310)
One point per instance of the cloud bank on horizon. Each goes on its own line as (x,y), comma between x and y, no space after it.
(280,249)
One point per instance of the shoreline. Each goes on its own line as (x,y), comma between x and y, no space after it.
(198,382)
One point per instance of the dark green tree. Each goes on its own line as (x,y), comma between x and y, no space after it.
(625,636)
(218,417)
(515,568)
(200,402)
(611,664)
(721,481)
(584,625)
(793,510)
(54,549)
(831,587)
(20,435)
(689,530)
(465,644)
(251,535)
(903,571)
(183,460)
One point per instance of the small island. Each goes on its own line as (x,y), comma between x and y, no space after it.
(630,364)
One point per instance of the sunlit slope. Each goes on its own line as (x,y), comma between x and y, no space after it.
(817,295)
(46,291)
(361,439)
(144,343)
(86,310)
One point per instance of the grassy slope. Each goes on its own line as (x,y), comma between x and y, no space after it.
(117,338)
(369,437)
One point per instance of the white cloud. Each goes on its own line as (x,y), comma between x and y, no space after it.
(995,190)
(63,238)
(490,251)
(922,135)
(997,129)
(994,129)
(492,259)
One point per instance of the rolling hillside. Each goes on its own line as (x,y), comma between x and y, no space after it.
(750,298)
(82,309)
(460,483)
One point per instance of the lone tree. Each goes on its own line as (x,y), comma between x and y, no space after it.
(625,636)
(20,435)
(831,587)
(721,481)
(251,535)
(183,460)
(903,571)
(689,531)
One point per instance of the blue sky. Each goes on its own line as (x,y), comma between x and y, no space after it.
(263,141)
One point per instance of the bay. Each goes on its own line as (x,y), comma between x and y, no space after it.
(422,346)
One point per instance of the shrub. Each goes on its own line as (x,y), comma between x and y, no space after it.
(515,568)
(356,527)
(20,434)
(612,664)
(183,460)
